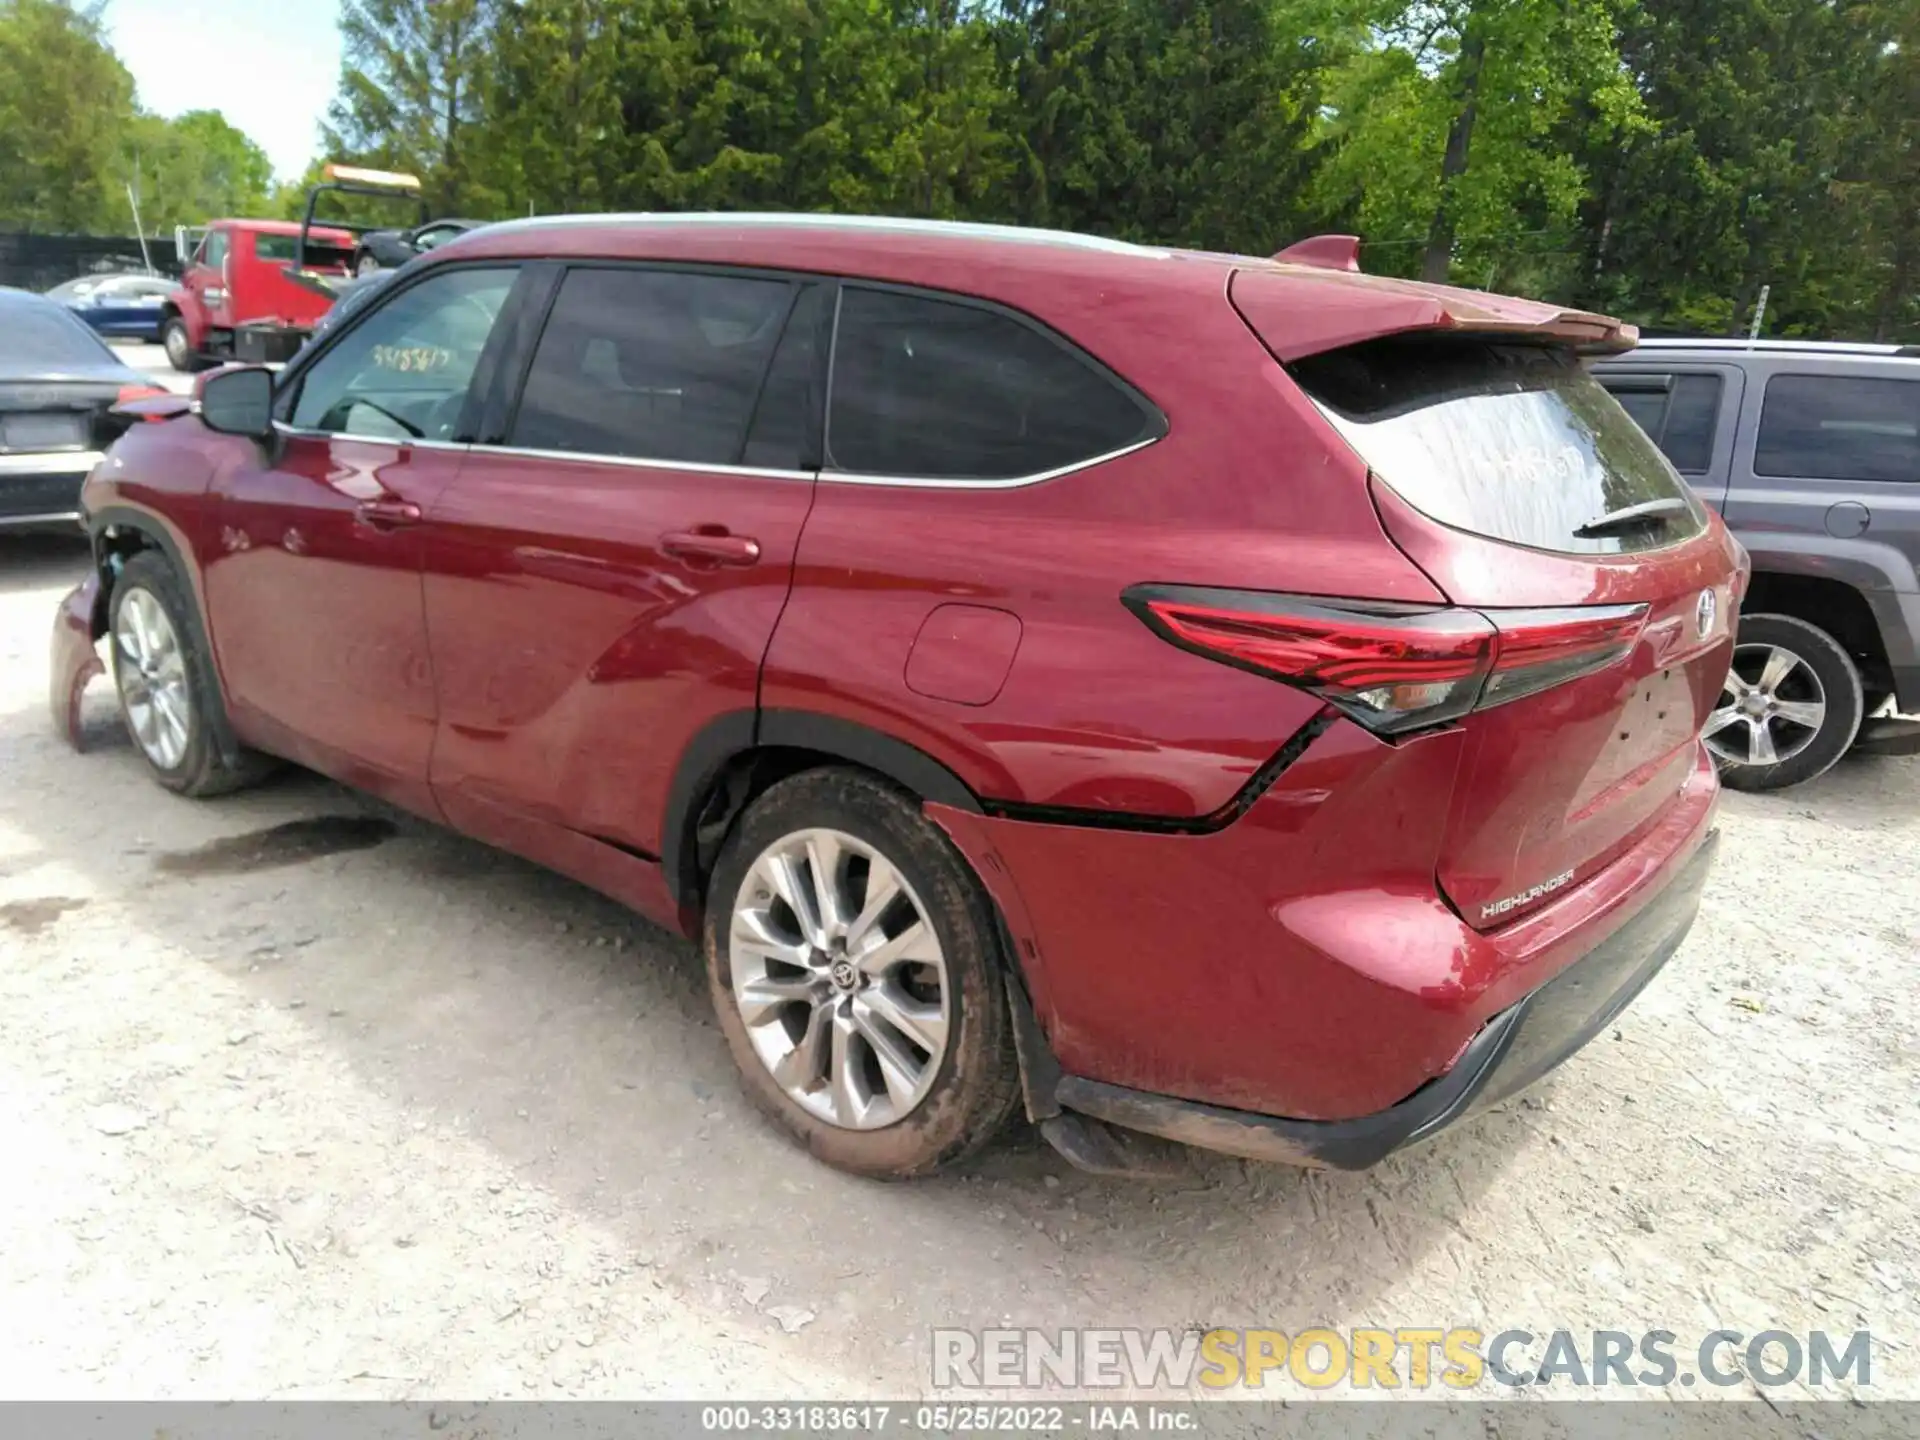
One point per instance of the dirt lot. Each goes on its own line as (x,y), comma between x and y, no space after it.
(367,1110)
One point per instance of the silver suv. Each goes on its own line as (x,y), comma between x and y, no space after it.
(1812,453)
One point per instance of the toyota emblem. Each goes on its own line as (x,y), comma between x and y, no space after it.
(1704,611)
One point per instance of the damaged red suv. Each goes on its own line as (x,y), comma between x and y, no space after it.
(1243,702)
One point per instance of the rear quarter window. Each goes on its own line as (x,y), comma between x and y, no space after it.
(923,387)
(1514,442)
(1836,427)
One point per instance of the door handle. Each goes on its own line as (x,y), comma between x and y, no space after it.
(388,514)
(711,544)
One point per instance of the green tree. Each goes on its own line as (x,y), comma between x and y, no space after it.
(409,90)
(65,105)
(1184,122)
(1446,138)
(193,167)
(1759,106)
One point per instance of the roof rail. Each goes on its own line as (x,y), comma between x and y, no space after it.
(1828,347)
(1323,252)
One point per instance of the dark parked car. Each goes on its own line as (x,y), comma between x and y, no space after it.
(390,249)
(1244,702)
(129,307)
(58,385)
(1812,453)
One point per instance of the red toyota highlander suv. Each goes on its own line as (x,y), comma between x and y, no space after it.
(1245,702)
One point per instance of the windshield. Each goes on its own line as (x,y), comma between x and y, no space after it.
(36,337)
(1515,442)
(320,252)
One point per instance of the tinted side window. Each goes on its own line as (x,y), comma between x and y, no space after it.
(1818,427)
(925,387)
(402,372)
(1647,407)
(1688,438)
(653,364)
(1678,412)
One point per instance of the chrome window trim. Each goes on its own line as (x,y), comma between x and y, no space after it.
(754,472)
(49,462)
(635,462)
(956,482)
(297,433)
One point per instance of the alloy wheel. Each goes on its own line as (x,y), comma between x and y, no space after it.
(839,978)
(152,671)
(1771,707)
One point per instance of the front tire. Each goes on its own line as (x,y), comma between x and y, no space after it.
(166,686)
(856,973)
(365,264)
(1791,705)
(179,345)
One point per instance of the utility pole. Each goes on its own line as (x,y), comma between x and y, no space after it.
(1759,313)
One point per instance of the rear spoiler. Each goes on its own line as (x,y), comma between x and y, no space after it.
(1311,297)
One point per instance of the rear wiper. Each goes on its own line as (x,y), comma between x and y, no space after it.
(1632,517)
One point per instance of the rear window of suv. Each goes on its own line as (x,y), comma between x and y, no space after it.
(1515,442)
(1824,427)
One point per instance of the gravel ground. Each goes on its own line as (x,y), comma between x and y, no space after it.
(367,1110)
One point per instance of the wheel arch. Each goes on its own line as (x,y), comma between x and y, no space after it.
(1830,604)
(738,755)
(119,532)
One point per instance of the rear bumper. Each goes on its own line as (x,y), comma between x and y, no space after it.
(1300,962)
(1514,1049)
(43,488)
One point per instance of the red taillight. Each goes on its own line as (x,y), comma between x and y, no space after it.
(1391,667)
(129,393)
(1539,649)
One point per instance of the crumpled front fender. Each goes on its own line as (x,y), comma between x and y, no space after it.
(75,661)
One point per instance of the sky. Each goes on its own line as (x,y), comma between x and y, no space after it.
(269,66)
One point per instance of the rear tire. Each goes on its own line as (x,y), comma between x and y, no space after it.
(168,693)
(1791,706)
(365,264)
(862,1092)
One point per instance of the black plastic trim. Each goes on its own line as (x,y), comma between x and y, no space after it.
(708,754)
(915,769)
(129,518)
(1261,781)
(531,304)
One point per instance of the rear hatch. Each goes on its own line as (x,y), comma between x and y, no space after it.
(1530,498)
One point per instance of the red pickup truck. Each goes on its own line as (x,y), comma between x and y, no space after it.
(242,275)
(254,289)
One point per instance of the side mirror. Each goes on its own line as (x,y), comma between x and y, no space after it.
(237,401)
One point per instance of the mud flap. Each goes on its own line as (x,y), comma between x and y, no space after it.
(1089,1144)
(1102,1149)
(75,661)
